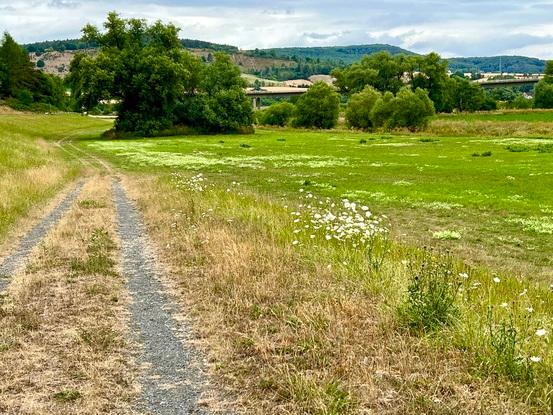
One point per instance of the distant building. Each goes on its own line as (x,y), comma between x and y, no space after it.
(298,83)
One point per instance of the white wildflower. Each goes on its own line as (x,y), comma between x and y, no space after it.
(541,332)
(496,280)
(535,359)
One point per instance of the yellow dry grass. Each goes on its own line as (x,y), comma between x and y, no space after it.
(62,322)
(289,335)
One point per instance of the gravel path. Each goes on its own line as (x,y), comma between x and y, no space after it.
(17,258)
(173,377)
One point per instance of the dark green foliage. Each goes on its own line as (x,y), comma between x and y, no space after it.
(467,96)
(59,45)
(381,71)
(431,75)
(360,106)
(346,54)
(18,71)
(407,109)
(543,92)
(521,103)
(40,63)
(200,44)
(432,292)
(277,114)
(22,85)
(512,64)
(319,107)
(219,103)
(157,83)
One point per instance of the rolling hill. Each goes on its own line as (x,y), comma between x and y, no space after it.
(293,62)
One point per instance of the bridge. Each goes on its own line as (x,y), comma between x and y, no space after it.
(499,83)
(272,91)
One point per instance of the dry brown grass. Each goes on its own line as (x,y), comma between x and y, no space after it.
(444,127)
(62,324)
(287,334)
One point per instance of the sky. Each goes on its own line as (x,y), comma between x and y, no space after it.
(452,28)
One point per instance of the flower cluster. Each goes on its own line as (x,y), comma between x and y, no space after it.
(345,222)
(197,183)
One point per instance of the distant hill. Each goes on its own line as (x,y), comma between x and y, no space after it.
(511,64)
(77,44)
(290,62)
(343,54)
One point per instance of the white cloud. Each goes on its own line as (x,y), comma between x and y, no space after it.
(453,28)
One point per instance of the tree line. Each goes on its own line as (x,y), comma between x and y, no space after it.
(24,87)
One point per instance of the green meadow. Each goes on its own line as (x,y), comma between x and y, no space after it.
(494,194)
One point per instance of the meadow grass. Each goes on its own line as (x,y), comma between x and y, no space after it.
(300,321)
(32,167)
(304,310)
(499,207)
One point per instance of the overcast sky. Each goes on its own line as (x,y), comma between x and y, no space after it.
(452,28)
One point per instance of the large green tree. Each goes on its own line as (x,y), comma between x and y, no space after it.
(543,92)
(141,66)
(156,82)
(360,106)
(319,107)
(17,70)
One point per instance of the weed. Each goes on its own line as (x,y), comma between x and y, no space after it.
(428,140)
(475,154)
(328,398)
(447,235)
(91,204)
(362,141)
(99,260)
(486,154)
(281,139)
(506,343)
(517,148)
(67,395)
(432,291)
(545,148)
(243,145)
(99,338)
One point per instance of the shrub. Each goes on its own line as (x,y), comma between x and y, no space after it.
(277,114)
(432,291)
(522,103)
(407,109)
(543,94)
(506,343)
(319,107)
(360,106)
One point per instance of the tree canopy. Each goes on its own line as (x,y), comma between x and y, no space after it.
(157,83)
(21,83)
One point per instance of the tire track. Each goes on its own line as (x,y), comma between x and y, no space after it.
(173,378)
(21,253)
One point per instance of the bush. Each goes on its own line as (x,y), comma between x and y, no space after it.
(407,109)
(360,106)
(521,103)
(543,94)
(277,114)
(432,292)
(319,107)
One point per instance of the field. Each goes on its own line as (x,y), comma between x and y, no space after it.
(302,300)
(500,204)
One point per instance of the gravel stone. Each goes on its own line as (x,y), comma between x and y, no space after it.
(17,258)
(173,371)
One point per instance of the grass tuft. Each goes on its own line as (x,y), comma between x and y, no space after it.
(67,395)
(432,292)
